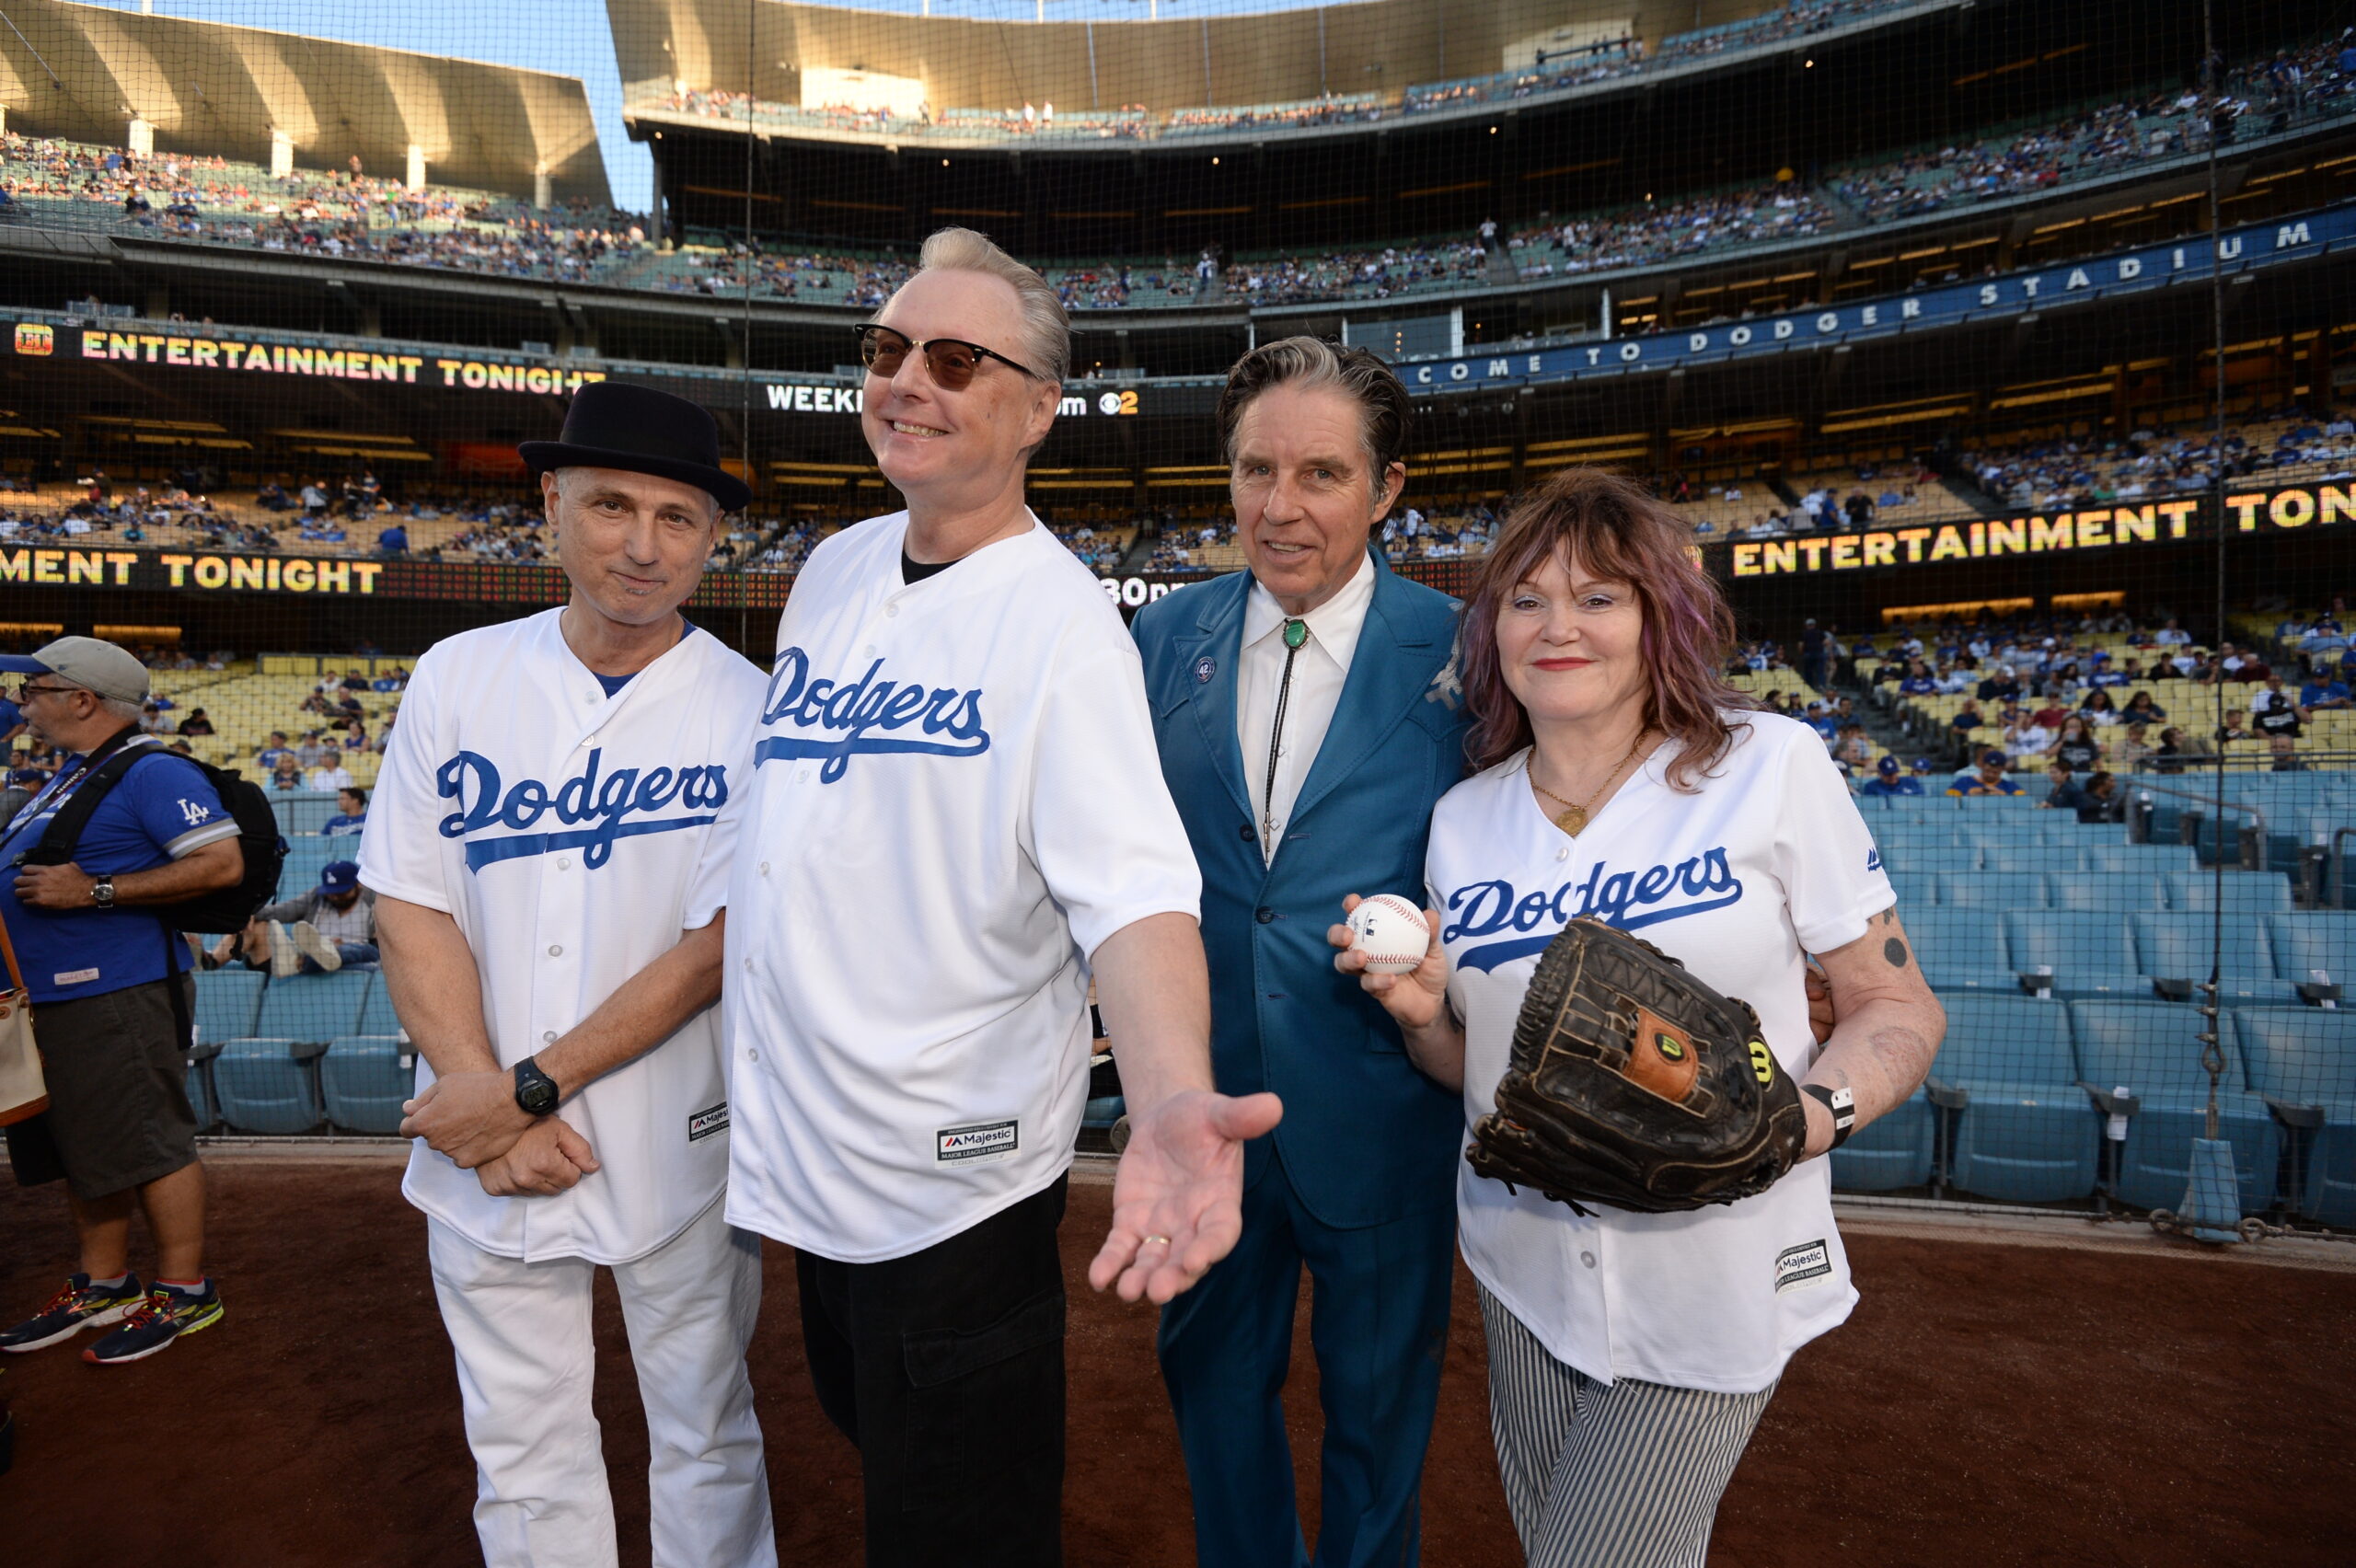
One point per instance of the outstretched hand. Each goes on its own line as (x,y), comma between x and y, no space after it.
(1178,1197)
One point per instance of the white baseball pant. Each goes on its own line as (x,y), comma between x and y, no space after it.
(525,1363)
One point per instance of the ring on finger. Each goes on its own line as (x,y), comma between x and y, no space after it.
(1145,1240)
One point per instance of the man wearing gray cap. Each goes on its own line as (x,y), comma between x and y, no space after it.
(101,970)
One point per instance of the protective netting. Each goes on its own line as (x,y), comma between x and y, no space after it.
(2001,355)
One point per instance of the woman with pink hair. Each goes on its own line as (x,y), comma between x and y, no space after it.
(1632,1355)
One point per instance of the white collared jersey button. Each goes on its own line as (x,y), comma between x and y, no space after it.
(556,950)
(1587,1258)
(548,1036)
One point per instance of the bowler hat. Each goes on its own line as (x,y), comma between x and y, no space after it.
(613,425)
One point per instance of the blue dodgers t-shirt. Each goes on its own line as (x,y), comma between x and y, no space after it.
(158,811)
(340,826)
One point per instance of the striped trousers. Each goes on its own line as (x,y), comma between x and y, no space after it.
(1626,1475)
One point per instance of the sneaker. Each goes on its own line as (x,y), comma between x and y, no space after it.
(316,948)
(286,958)
(167,1314)
(79,1305)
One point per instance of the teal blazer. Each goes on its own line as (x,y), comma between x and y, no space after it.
(1366,1138)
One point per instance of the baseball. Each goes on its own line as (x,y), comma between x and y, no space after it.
(1392,933)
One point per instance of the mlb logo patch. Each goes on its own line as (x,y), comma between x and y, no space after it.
(36,339)
(978,1143)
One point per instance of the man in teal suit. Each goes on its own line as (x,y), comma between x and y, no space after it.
(1308,719)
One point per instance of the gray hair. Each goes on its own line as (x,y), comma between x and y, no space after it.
(1047,330)
(1358,374)
(116,708)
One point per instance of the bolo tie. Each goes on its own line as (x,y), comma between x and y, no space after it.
(1296,633)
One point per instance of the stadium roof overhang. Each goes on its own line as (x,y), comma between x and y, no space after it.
(85,72)
(1380,46)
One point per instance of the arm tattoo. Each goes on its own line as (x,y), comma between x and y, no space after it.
(1894,951)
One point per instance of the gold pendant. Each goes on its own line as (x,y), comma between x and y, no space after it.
(1572,819)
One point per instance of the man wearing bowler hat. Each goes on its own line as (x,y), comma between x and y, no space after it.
(553,952)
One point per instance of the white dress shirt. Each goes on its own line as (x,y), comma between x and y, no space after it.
(1318,672)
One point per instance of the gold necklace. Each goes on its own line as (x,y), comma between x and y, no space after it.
(1572,819)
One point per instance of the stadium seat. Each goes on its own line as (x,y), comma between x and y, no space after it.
(363,1078)
(1928,860)
(1992,890)
(199,1080)
(2150,1049)
(1894,1151)
(227,1001)
(2146,859)
(1960,950)
(2177,946)
(2091,955)
(2247,892)
(2014,859)
(2023,1129)
(2320,939)
(268,1085)
(2303,1060)
(2105,892)
(376,1015)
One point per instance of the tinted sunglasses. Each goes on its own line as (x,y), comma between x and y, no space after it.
(950,362)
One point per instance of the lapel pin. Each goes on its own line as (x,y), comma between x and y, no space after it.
(1204,668)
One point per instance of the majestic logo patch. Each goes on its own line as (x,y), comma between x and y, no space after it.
(1628,900)
(978,1144)
(1798,1267)
(74,977)
(703,1124)
(602,802)
(843,718)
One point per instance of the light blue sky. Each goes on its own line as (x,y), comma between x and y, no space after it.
(572,37)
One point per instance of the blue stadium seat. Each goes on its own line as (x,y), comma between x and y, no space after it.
(2150,1049)
(1928,860)
(268,1085)
(2024,1132)
(1992,890)
(1960,950)
(2176,946)
(2146,859)
(2247,892)
(313,1007)
(227,1001)
(363,1078)
(2304,1058)
(2091,955)
(2039,857)
(376,1015)
(1893,1151)
(2105,892)
(2320,939)
(199,1094)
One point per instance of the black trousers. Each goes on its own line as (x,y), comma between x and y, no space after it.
(946,1368)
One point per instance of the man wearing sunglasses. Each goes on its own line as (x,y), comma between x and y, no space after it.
(957,815)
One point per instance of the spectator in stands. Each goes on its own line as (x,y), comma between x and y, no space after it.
(2067,793)
(12,724)
(2136,750)
(2023,737)
(1919,681)
(287,776)
(353,681)
(2142,710)
(2322,689)
(317,931)
(2172,636)
(1999,687)
(2105,801)
(2077,745)
(1891,779)
(1987,779)
(2276,715)
(278,751)
(21,786)
(110,980)
(328,776)
(196,723)
(352,814)
(1967,718)
(2284,749)
(2236,727)
(314,750)
(1851,750)
(2098,709)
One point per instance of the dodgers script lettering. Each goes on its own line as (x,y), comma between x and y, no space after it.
(602,802)
(1628,900)
(865,715)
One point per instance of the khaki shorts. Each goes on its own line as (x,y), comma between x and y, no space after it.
(117,1087)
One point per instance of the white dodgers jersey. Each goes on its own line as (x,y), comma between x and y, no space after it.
(569,832)
(955,797)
